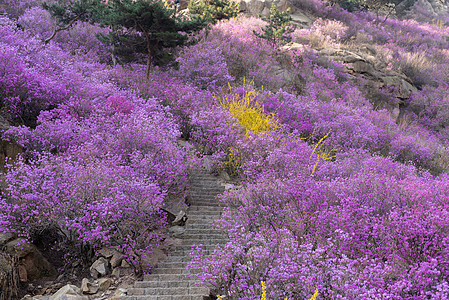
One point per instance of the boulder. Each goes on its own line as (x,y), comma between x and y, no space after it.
(404,88)
(262,7)
(68,292)
(177,231)
(116,259)
(180,219)
(6,237)
(88,287)
(104,284)
(36,266)
(99,268)
(5,263)
(19,248)
(153,260)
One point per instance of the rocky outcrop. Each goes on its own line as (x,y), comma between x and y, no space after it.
(433,8)
(7,149)
(31,264)
(361,65)
(262,7)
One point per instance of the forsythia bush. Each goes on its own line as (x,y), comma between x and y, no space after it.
(249,113)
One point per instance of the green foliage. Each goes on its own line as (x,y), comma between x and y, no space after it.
(279,24)
(138,26)
(68,11)
(212,11)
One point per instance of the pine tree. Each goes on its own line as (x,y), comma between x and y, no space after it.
(138,26)
(212,11)
(279,23)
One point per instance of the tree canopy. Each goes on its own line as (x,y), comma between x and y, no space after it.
(137,26)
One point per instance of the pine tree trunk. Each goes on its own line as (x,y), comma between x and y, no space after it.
(150,54)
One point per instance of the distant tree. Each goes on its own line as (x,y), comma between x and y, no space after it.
(212,11)
(279,24)
(378,6)
(138,26)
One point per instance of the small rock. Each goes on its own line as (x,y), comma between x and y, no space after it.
(106,252)
(116,259)
(23,275)
(121,292)
(88,287)
(99,268)
(120,272)
(180,219)
(177,230)
(27,297)
(68,291)
(19,248)
(104,284)
(125,264)
(6,237)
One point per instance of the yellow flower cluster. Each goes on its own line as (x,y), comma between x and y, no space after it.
(264,292)
(249,113)
(232,163)
(322,154)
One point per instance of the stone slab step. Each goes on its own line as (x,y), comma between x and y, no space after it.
(165,297)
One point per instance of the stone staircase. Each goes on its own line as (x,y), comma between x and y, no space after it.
(170,281)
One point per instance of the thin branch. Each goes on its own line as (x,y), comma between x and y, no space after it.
(56,30)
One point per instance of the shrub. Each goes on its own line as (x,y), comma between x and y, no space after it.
(249,113)
(278,27)
(204,65)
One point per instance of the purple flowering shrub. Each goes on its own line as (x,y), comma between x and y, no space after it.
(359,227)
(205,65)
(96,201)
(24,91)
(79,40)
(102,176)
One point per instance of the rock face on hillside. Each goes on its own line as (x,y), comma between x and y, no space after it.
(7,149)
(433,7)
(262,7)
(360,65)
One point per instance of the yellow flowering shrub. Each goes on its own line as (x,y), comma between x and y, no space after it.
(248,112)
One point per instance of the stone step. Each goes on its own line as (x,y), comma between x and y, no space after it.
(166,297)
(194,230)
(204,236)
(198,226)
(199,208)
(167,277)
(180,290)
(161,271)
(166,284)
(194,222)
(205,192)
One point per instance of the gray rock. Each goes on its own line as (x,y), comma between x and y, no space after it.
(120,272)
(19,248)
(6,237)
(99,268)
(104,284)
(180,219)
(116,259)
(106,252)
(68,292)
(177,231)
(88,287)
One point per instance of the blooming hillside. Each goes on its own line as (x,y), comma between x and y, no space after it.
(336,132)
